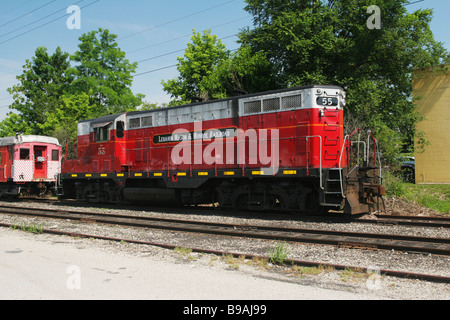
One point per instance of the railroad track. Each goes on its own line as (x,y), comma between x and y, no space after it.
(220,229)
(381,219)
(384,272)
(417,221)
(371,241)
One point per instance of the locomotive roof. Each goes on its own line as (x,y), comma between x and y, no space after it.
(241,97)
(105,120)
(8,141)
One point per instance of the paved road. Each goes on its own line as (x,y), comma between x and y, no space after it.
(47,267)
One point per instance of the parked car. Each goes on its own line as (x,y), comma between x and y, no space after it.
(408,169)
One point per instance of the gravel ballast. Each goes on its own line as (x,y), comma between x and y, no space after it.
(382,287)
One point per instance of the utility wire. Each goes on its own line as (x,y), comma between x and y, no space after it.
(29,24)
(407,4)
(169,53)
(172,21)
(19,6)
(24,15)
(184,36)
(47,23)
(167,67)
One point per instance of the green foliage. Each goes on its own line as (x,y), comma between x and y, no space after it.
(61,124)
(436,197)
(42,85)
(52,96)
(244,72)
(328,42)
(279,253)
(103,72)
(201,56)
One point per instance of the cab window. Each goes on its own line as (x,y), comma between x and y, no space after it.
(120,129)
(101,134)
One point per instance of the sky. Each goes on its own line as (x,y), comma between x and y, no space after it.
(151,32)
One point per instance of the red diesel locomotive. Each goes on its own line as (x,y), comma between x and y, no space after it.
(283,149)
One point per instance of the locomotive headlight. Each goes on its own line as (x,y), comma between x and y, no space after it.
(319,91)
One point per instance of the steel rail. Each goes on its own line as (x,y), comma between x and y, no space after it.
(438,246)
(384,272)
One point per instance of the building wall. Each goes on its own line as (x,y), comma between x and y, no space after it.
(432,87)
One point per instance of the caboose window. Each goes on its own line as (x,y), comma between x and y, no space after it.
(55,155)
(24,154)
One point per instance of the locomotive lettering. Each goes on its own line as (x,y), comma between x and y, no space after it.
(222,151)
(184,135)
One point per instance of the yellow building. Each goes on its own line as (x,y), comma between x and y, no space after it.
(431,87)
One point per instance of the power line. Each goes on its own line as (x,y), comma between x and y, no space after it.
(414,2)
(24,15)
(172,21)
(19,6)
(29,24)
(184,36)
(169,53)
(167,67)
(159,69)
(43,25)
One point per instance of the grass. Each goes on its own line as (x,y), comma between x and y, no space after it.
(279,253)
(33,228)
(436,197)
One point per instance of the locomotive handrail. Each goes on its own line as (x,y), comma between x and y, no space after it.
(320,158)
(347,138)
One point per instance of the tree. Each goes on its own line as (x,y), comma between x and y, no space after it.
(42,84)
(201,56)
(328,42)
(244,71)
(53,96)
(62,124)
(103,71)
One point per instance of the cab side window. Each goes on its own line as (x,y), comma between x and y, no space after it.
(120,129)
(101,134)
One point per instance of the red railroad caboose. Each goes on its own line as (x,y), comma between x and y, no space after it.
(283,149)
(28,164)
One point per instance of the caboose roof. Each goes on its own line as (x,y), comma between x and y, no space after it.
(8,141)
